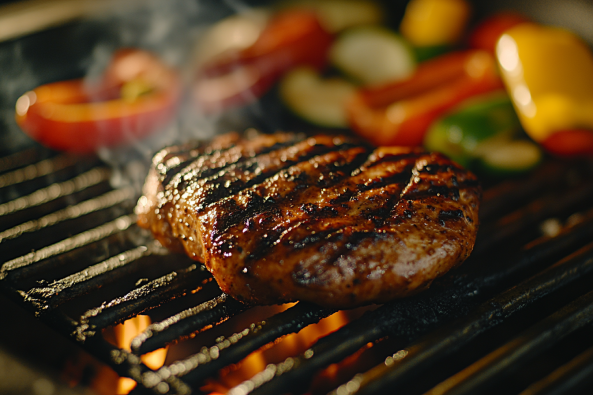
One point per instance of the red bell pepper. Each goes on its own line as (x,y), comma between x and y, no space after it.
(570,143)
(290,39)
(79,117)
(487,33)
(400,113)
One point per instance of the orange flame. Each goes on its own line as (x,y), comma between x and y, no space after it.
(124,334)
(277,352)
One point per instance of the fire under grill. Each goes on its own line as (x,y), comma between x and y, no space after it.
(515,318)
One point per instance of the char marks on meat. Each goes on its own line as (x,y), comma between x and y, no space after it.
(285,217)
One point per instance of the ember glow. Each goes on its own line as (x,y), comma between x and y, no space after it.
(124,334)
(287,346)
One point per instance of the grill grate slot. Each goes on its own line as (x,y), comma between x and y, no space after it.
(31,263)
(241,344)
(55,191)
(22,158)
(91,268)
(87,280)
(187,322)
(141,299)
(522,349)
(37,170)
(568,378)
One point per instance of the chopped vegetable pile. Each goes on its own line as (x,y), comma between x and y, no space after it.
(490,97)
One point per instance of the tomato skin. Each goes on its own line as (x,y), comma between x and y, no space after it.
(486,34)
(400,113)
(570,143)
(72,116)
(292,38)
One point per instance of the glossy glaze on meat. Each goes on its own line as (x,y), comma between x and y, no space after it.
(326,219)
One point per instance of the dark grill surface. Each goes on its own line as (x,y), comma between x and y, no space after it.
(515,317)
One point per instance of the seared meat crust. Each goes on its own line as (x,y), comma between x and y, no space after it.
(284,217)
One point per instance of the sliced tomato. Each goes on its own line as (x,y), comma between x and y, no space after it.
(570,143)
(78,117)
(235,78)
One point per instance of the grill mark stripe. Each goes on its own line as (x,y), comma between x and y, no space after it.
(258,205)
(414,155)
(208,171)
(265,247)
(184,156)
(348,240)
(187,157)
(432,191)
(355,238)
(437,190)
(261,251)
(219,191)
(380,213)
(398,178)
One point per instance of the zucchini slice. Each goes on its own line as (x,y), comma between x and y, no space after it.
(338,15)
(510,158)
(319,101)
(373,55)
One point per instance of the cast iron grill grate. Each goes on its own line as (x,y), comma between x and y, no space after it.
(73,256)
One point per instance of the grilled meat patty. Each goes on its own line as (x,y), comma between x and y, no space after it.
(326,219)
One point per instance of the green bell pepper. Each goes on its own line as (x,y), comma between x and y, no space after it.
(483,135)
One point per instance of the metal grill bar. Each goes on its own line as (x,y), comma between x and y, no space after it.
(56,293)
(13,268)
(524,347)
(567,379)
(488,315)
(130,365)
(227,351)
(55,191)
(502,198)
(71,212)
(37,170)
(187,322)
(141,299)
(526,218)
(18,159)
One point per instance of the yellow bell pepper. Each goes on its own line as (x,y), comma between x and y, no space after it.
(548,73)
(434,22)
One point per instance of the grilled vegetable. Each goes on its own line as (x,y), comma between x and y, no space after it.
(137,95)
(507,158)
(318,101)
(291,38)
(373,55)
(434,22)
(400,113)
(482,135)
(576,142)
(486,34)
(233,33)
(549,74)
(338,15)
